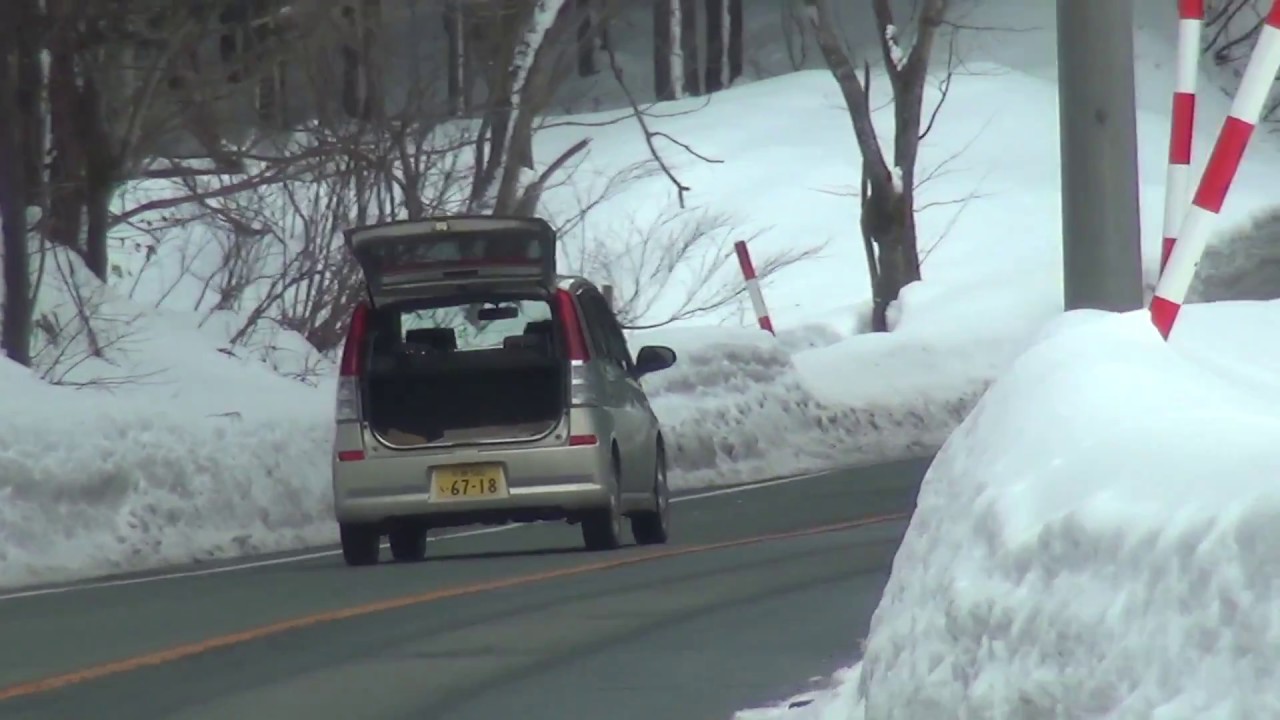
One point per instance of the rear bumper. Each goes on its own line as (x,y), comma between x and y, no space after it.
(544,483)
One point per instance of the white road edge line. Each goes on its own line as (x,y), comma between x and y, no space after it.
(249,565)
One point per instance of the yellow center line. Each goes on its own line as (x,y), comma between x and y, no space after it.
(181,652)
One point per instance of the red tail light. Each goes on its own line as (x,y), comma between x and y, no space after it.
(575,341)
(351,349)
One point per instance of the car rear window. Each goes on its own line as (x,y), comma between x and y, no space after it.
(468,330)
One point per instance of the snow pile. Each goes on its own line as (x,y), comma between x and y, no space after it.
(95,484)
(741,405)
(158,444)
(1116,551)
(738,407)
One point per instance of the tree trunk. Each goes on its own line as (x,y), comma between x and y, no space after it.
(98,212)
(715,66)
(456,31)
(889,272)
(586,39)
(15,333)
(888,199)
(663,42)
(271,97)
(15,321)
(890,222)
(868,242)
(67,160)
(532,97)
(371,61)
(351,90)
(689,47)
(359,73)
(234,21)
(102,166)
(736,47)
(28,90)
(504,34)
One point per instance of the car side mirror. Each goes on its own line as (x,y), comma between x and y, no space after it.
(653,358)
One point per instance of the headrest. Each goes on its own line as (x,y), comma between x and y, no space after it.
(442,339)
(528,342)
(540,327)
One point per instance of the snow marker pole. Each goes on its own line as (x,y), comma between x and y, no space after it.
(1182,125)
(1224,161)
(753,284)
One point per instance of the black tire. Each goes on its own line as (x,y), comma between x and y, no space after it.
(652,527)
(360,544)
(602,529)
(408,544)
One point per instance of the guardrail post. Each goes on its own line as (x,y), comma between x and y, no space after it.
(753,286)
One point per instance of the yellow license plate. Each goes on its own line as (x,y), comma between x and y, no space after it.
(467,482)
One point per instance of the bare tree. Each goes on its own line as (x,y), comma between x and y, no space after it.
(279,259)
(676,71)
(735,45)
(591,26)
(888,207)
(124,89)
(724,43)
(1231,27)
(268,248)
(689,64)
(457,53)
(524,86)
(21,142)
(664,44)
(1231,30)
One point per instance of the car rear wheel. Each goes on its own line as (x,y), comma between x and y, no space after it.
(602,529)
(651,527)
(408,544)
(360,543)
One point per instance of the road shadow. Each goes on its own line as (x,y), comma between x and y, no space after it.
(495,554)
(386,561)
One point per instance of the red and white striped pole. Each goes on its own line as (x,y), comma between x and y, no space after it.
(1224,161)
(1182,125)
(753,285)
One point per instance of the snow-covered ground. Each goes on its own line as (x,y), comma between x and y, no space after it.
(196,448)
(1115,555)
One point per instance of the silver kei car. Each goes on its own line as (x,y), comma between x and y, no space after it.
(479,387)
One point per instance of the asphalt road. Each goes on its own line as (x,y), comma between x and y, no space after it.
(761,590)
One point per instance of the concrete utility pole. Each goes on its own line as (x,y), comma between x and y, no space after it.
(1101,250)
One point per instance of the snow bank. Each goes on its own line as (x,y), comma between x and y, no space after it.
(220,456)
(1098,538)
(160,442)
(740,405)
(94,483)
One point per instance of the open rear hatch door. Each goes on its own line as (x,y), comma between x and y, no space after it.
(438,256)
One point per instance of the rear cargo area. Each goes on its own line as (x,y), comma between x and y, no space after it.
(421,388)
